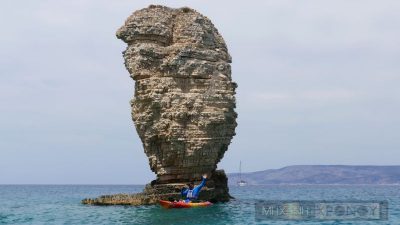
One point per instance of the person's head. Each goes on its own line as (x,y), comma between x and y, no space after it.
(191,185)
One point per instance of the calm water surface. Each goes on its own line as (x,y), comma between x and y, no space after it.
(60,204)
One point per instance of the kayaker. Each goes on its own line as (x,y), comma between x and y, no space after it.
(192,193)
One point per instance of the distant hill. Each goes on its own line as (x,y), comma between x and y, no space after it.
(320,174)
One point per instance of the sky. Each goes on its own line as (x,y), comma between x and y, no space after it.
(318,84)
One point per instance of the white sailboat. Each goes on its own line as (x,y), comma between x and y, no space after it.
(241,182)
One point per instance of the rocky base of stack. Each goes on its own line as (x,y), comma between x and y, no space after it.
(216,190)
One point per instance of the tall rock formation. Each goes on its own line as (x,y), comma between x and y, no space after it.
(183,105)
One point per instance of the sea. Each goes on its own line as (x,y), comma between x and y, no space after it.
(61,204)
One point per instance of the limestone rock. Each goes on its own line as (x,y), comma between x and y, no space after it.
(183,105)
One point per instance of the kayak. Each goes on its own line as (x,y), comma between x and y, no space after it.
(181,204)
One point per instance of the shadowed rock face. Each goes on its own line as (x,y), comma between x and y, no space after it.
(183,106)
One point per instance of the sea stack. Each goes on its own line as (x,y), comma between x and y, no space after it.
(183,104)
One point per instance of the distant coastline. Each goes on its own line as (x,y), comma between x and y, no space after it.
(322,175)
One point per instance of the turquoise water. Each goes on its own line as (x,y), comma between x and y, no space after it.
(60,204)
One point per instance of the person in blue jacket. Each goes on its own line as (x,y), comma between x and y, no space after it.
(192,193)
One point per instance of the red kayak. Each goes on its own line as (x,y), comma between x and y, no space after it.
(182,204)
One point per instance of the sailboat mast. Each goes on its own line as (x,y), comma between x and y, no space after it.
(240,171)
